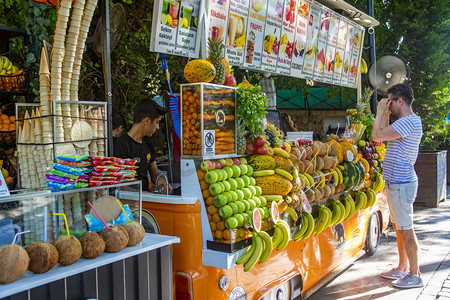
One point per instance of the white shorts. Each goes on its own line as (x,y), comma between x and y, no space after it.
(401,197)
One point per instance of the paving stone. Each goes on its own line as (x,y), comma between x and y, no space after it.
(426,297)
(444,289)
(444,294)
(431,290)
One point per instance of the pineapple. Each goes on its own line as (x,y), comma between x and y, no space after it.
(363,104)
(216,57)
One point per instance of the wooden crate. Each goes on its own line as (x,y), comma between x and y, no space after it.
(431,168)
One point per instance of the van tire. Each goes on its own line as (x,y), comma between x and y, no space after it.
(373,234)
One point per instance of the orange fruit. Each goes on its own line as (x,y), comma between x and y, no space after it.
(218,234)
(8,179)
(12,118)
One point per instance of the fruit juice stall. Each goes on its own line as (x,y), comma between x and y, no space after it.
(271,222)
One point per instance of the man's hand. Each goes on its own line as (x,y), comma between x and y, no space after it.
(383,106)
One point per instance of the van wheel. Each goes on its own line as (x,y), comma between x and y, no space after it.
(373,235)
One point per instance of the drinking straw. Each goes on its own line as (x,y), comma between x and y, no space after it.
(311,186)
(310,148)
(323,175)
(98,215)
(334,168)
(65,221)
(301,155)
(45,224)
(314,160)
(19,233)
(337,130)
(120,204)
(329,147)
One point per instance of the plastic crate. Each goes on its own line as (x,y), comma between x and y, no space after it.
(18,81)
(10,168)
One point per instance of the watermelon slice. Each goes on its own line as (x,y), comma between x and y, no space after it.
(257,220)
(351,176)
(274,212)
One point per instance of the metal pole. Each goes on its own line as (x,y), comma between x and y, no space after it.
(372,56)
(106,59)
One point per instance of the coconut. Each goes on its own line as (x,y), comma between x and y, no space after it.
(301,167)
(319,163)
(294,159)
(13,263)
(328,162)
(332,188)
(334,137)
(315,149)
(322,148)
(311,195)
(43,257)
(116,238)
(319,193)
(92,244)
(136,232)
(69,249)
(316,178)
(331,148)
(326,191)
(302,183)
(296,151)
(309,169)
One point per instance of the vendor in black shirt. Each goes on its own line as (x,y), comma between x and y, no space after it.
(136,144)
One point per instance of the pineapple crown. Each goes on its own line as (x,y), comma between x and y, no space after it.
(215,49)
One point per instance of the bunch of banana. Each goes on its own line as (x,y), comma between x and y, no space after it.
(6,66)
(378,184)
(306,228)
(281,235)
(350,207)
(351,112)
(258,252)
(240,41)
(308,179)
(363,66)
(361,200)
(371,197)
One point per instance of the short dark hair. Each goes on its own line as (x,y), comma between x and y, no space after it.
(147,108)
(402,90)
(117,120)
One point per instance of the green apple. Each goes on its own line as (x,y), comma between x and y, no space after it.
(246,218)
(261,211)
(252,204)
(243,160)
(241,206)
(236,171)
(252,189)
(211,177)
(227,186)
(219,174)
(252,181)
(257,201)
(266,212)
(231,223)
(240,219)
(249,170)
(247,205)
(215,189)
(234,207)
(223,199)
(240,183)
(226,211)
(246,180)
(361,143)
(233,184)
(243,168)
(240,195)
(247,193)
(233,195)
(229,171)
(258,190)
(224,174)
(263,201)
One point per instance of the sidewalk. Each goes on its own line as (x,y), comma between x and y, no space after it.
(361,279)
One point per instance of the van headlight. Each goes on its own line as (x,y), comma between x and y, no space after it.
(238,293)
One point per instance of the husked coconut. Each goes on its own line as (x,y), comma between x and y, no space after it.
(319,193)
(301,167)
(332,188)
(331,148)
(92,244)
(319,163)
(116,238)
(43,257)
(136,232)
(311,195)
(328,162)
(316,178)
(13,263)
(308,167)
(294,159)
(302,183)
(322,148)
(69,249)
(326,191)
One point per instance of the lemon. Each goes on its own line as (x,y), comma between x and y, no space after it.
(163,19)
(185,22)
(5,173)
(169,20)
(181,24)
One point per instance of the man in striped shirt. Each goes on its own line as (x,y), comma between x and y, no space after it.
(403,138)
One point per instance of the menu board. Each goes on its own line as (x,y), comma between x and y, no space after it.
(311,41)
(187,36)
(340,51)
(272,34)
(330,62)
(165,26)
(287,37)
(218,19)
(255,33)
(356,46)
(237,32)
(300,38)
(319,66)
(348,54)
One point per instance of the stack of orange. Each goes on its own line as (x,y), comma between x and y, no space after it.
(7,128)
(192,140)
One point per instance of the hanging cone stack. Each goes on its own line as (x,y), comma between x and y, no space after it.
(32,152)
(46,109)
(26,152)
(89,9)
(94,124)
(76,206)
(22,156)
(40,156)
(101,133)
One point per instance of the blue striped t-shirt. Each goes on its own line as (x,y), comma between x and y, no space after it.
(401,154)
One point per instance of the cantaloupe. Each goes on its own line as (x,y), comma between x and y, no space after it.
(199,70)
(43,257)
(13,263)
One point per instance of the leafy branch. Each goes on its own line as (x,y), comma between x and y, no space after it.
(251,109)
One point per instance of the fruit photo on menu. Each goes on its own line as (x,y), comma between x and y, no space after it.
(257,5)
(169,13)
(271,44)
(188,16)
(237,31)
(286,46)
